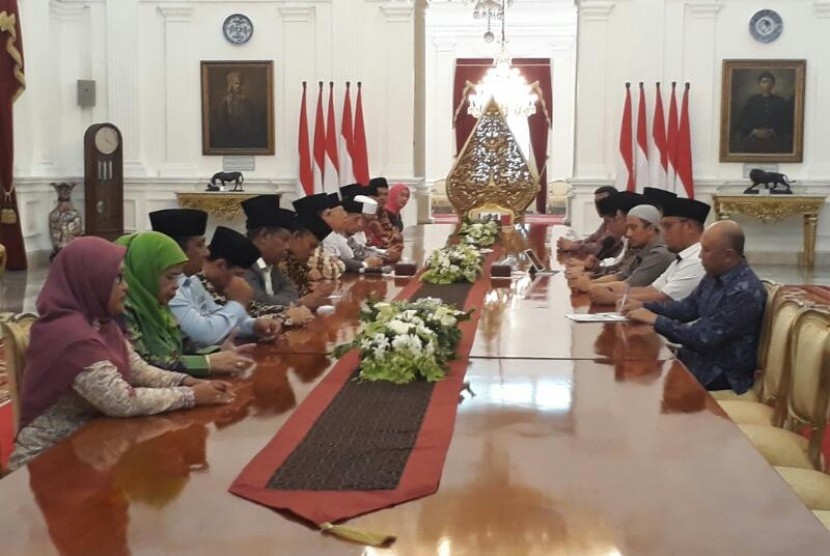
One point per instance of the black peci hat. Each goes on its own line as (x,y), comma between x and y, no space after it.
(366,206)
(232,246)
(623,201)
(352,190)
(334,200)
(263,211)
(687,208)
(313,224)
(179,222)
(658,197)
(312,204)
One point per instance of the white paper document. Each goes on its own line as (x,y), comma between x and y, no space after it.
(597,317)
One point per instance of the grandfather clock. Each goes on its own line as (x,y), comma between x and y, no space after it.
(104,181)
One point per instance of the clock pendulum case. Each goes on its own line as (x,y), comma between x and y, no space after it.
(104,181)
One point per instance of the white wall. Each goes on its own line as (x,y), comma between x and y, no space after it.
(686,40)
(144,56)
(534,29)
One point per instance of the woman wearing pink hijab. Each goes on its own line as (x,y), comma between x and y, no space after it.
(78,363)
(398,198)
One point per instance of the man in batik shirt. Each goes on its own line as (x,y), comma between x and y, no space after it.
(719,324)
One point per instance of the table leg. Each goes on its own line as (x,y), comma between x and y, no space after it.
(810,227)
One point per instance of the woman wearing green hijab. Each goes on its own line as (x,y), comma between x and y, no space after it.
(152,267)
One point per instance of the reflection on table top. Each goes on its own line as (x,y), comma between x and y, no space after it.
(601,446)
(522,317)
(548,457)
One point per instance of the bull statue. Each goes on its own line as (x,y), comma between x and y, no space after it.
(226,177)
(770,180)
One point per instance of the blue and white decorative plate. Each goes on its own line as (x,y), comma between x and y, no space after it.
(238,29)
(765,26)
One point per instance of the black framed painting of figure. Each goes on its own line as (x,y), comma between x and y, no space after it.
(762,111)
(238,108)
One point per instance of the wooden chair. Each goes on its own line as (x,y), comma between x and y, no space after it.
(771,384)
(16,335)
(807,402)
(2,262)
(774,297)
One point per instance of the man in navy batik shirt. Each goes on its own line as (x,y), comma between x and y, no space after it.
(718,325)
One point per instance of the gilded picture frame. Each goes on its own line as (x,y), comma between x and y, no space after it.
(762,111)
(237,107)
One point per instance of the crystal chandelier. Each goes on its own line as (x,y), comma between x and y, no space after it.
(502,82)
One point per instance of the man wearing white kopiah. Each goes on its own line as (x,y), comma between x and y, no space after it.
(653,257)
(337,243)
(682,226)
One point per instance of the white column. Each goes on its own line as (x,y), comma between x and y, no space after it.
(179,74)
(298,65)
(395,146)
(123,50)
(816,113)
(702,71)
(36,105)
(69,22)
(440,145)
(593,131)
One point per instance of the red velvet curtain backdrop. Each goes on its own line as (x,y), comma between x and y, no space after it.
(469,71)
(12,83)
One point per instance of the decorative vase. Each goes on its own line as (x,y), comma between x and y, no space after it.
(65,222)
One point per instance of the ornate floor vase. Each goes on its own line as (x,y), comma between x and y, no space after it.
(65,222)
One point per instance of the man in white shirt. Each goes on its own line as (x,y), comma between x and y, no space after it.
(204,322)
(341,244)
(682,225)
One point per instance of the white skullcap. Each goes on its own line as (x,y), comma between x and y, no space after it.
(649,213)
(370,206)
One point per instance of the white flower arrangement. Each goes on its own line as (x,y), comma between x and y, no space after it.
(454,263)
(403,341)
(481,234)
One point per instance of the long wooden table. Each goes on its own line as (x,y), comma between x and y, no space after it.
(599,443)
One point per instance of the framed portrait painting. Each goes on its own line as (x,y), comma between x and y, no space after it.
(762,111)
(238,108)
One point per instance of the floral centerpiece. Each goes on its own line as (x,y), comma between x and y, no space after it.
(454,263)
(483,233)
(404,341)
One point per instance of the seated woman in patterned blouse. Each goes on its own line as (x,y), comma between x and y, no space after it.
(151,268)
(79,364)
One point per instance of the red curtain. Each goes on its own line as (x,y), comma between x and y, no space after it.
(469,71)
(12,83)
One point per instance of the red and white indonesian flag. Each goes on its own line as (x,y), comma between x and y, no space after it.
(641,169)
(625,160)
(306,173)
(319,143)
(360,155)
(671,142)
(331,178)
(683,161)
(659,162)
(346,147)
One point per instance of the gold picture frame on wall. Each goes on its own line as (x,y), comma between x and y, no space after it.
(238,108)
(762,111)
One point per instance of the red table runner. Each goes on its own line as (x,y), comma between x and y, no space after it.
(422,472)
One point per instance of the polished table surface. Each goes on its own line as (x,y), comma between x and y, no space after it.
(597,455)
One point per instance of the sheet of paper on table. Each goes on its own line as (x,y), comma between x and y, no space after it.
(597,317)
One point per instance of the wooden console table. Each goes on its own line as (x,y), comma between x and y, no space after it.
(222,205)
(776,207)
